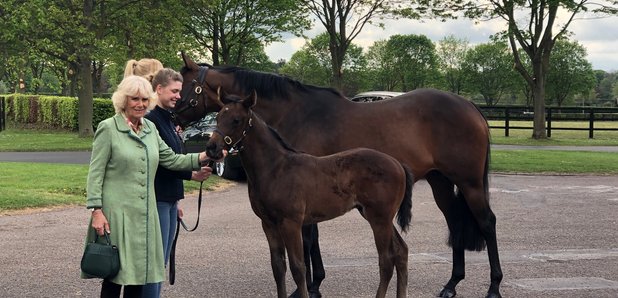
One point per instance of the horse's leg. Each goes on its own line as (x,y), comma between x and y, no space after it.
(312,257)
(401,263)
(277,257)
(486,219)
(292,236)
(316,260)
(383,236)
(444,195)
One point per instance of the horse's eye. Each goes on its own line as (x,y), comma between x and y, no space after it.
(236,121)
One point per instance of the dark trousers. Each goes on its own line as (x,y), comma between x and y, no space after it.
(112,290)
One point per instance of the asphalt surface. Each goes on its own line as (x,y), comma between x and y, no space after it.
(557,237)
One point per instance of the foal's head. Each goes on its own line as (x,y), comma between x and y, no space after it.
(233,122)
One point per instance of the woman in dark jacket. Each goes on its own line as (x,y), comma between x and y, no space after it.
(169,188)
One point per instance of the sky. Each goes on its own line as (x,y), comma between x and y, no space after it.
(598,36)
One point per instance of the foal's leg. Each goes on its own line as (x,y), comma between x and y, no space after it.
(277,257)
(291,233)
(444,195)
(383,236)
(401,263)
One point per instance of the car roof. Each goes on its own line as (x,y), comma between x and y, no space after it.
(378,93)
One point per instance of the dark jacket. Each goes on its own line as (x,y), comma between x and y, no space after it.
(168,184)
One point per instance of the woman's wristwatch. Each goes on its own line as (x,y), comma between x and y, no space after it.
(94,209)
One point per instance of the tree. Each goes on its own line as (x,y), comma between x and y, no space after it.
(489,72)
(344,20)
(312,65)
(451,52)
(615,92)
(604,85)
(413,59)
(569,72)
(533,26)
(225,27)
(380,70)
(79,37)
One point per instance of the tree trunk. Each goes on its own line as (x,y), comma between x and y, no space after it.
(539,130)
(84,96)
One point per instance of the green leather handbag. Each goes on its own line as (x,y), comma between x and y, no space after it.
(101,260)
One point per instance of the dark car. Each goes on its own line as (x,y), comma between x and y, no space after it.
(195,138)
(374,96)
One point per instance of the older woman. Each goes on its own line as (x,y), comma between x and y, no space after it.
(120,190)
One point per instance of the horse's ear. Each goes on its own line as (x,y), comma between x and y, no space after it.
(218,98)
(250,100)
(188,62)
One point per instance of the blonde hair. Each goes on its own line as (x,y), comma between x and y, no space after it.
(132,86)
(146,67)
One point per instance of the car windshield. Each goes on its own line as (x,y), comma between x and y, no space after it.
(205,125)
(374,96)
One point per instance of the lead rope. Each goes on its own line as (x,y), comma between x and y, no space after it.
(180,222)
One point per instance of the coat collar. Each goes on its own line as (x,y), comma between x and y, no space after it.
(121,125)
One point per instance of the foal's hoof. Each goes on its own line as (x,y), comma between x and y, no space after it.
(493,295)
(447,293)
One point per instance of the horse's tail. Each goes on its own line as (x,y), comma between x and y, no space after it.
(404,215)
(465,232)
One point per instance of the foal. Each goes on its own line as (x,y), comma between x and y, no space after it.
(289,189)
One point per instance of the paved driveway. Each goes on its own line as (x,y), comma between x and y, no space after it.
(557,238)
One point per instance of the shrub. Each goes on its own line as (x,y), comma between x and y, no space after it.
(55,112)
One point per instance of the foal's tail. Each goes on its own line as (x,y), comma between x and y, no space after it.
(404,215)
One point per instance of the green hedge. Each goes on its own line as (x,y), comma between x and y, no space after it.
(52,112)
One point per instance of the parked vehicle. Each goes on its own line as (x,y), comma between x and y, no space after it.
(374,96)
(195,138)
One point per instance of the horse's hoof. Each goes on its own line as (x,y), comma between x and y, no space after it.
(315,294)
(447,293)
(493,295)
(295,294)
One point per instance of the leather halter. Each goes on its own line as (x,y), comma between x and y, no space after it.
(190,95)
(228,140)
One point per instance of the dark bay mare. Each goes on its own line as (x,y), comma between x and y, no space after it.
(289,189)
(443,137)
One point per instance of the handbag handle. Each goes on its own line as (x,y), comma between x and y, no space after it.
(106,234)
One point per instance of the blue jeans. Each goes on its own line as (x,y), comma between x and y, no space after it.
(168,214)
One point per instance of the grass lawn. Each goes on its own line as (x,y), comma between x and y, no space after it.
(42,140)
(555,162)
(37,185)
(558,137)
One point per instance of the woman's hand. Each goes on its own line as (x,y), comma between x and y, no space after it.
(99,222)
(202,174)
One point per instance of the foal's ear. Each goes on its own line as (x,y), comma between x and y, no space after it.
(218,98)
(188,62)
(250,100)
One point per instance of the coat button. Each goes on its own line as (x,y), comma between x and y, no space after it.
(143,158)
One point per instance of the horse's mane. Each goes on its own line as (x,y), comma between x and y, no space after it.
(281,140)
(266,84)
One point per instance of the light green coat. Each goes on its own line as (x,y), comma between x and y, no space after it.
(121,181)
